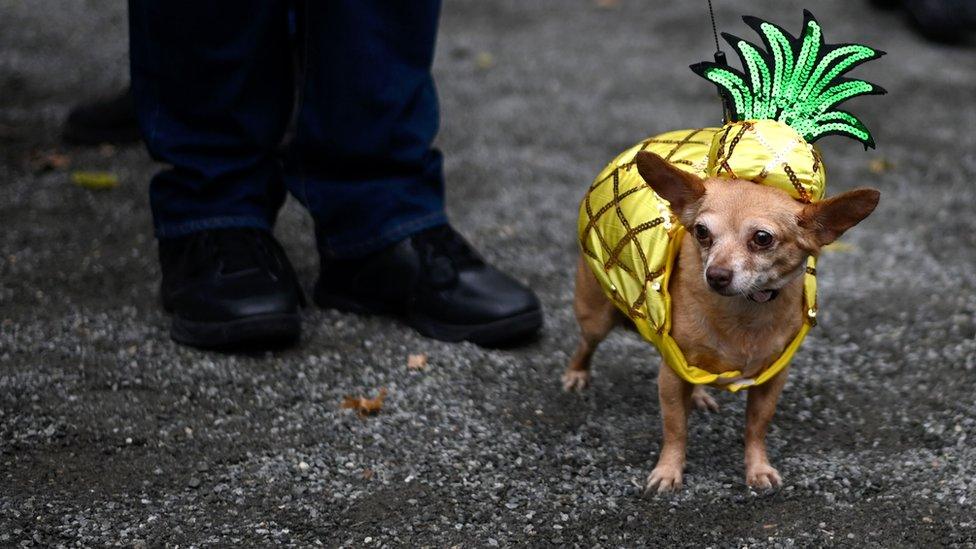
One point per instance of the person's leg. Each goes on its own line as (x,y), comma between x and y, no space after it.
(362,161)
(363,164)
(212,84)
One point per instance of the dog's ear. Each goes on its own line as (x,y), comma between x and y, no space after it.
(678,187)
(830,218)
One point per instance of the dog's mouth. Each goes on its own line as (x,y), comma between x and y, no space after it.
(763,296)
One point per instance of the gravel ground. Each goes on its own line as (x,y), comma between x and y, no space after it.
(110,434)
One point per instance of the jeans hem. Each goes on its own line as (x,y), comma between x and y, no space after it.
(342,248)
(174,230)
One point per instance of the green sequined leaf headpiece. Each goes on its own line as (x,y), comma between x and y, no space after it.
(796,81)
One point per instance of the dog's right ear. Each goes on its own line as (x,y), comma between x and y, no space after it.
(677,186)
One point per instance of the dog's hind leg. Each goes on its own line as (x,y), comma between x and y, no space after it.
(596,316)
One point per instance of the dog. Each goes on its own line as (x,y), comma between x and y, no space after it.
(736,292)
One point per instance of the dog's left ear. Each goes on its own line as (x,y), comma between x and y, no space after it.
(830,218)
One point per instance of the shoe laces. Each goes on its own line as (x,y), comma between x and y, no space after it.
(230,251)
(241,250)
(444,252)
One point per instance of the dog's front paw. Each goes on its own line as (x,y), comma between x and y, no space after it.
(576,380)
(664,478)
(762,476)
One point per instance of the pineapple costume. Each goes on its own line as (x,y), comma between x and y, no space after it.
(783,102)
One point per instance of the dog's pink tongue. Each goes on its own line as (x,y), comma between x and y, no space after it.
(761,297)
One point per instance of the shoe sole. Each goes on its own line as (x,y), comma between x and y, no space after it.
(489,334)
(261,332)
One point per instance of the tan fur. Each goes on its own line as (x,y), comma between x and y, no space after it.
(720,333)
(723,331)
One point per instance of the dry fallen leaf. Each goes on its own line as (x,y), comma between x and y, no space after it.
(365,406)
(485,60)
(879,166)
(417,361)
(607,4)
(507,231)
(367,474)
(50,161)
(95,181)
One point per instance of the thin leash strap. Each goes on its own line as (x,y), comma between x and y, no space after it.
(711,14)
(721,60)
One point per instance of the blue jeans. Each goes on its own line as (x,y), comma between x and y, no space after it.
(215,85)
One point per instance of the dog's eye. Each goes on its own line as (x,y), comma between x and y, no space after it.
(701,233)
(762,239)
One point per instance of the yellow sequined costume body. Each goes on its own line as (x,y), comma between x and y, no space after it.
(630,239)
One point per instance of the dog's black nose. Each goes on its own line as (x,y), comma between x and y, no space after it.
(718,278)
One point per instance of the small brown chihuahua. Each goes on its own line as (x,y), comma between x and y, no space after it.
(746,245)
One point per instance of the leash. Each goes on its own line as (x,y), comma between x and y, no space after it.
(723,61)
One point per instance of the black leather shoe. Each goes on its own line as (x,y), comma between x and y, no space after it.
(437,284)
(111,120)
(230,289)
